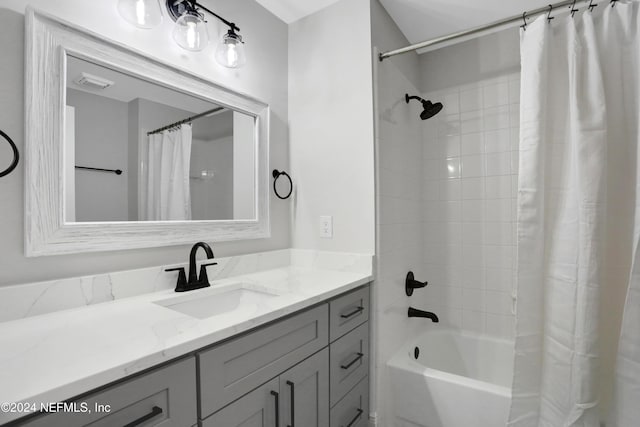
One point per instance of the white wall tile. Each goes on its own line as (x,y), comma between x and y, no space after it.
(451,102)
(473,299)
(472,143)
(495,95)
(460,233)
(451,145)
(498,163)
(496,118)
(474,188)
(471,99)
(498,187)
(473,321)
(496,141)
(472,121)
(472,166)
(452,167)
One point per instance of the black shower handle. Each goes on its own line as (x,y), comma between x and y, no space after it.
(410,284)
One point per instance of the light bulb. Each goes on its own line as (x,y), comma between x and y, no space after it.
(190,32)
(230,53)
(191,35)
(141,13)
(232,56)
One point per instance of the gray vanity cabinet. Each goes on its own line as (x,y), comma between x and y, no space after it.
(307,370)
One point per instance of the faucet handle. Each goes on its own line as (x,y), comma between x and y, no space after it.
(204,278)
(181,285)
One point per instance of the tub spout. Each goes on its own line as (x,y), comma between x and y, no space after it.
(413,312)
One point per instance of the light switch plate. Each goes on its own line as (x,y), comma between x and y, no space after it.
(326,227)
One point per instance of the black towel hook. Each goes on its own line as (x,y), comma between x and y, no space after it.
(613,3)
(592,5)
(16,155)
(524,19)
(573,8)
(276,174)
(549,17)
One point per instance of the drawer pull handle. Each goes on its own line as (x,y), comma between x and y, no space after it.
(293,405)
(277,396)
(155,411)
(350,364)
(356,418)
(353,313)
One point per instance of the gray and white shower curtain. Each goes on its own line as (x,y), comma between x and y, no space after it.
(579,222)
(168,196)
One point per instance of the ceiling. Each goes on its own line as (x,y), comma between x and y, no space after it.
(420,20)
(292,10)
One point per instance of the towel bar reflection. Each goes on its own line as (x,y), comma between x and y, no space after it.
(116,171)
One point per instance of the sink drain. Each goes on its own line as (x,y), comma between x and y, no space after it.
(416,352)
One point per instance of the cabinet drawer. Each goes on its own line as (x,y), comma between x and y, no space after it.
(353,409)
(348,362)
(165,397)
(347,312)
(238,366)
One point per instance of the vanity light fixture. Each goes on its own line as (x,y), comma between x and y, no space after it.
(141,13)
(190,31)
(191,34)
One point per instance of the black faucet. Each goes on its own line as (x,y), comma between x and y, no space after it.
(413,312)
(195,281)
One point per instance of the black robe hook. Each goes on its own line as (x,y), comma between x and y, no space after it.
(613,3)
(524,19)
(592,5)
(549,17)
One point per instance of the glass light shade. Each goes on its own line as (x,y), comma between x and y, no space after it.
(141,13)
(230,52)
(190,32)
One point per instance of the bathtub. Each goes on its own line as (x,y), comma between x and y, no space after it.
(458,379)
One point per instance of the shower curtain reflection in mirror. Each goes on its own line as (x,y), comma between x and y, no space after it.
(168,196)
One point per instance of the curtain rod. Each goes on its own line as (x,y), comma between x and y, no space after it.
(187,120)
(492,26)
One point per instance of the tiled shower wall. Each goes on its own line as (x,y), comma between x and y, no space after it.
(470,166)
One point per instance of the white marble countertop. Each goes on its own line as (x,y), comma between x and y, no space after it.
(59,355)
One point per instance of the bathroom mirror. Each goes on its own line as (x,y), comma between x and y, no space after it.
(140,151)
(126,152)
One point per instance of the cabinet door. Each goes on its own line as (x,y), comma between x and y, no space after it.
(256,409)
(305,393)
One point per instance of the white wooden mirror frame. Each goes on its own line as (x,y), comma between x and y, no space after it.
(49,41)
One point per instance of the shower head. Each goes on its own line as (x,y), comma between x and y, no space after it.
(429,109)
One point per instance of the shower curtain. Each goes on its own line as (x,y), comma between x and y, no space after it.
(578,221)
(168,193)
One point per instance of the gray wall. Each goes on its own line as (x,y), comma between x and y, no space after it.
(386,36)
(478,59)
(332,147)
(101,142)
(264,77)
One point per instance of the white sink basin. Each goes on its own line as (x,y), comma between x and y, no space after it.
(205,306)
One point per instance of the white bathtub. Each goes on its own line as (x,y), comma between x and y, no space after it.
(458,380)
